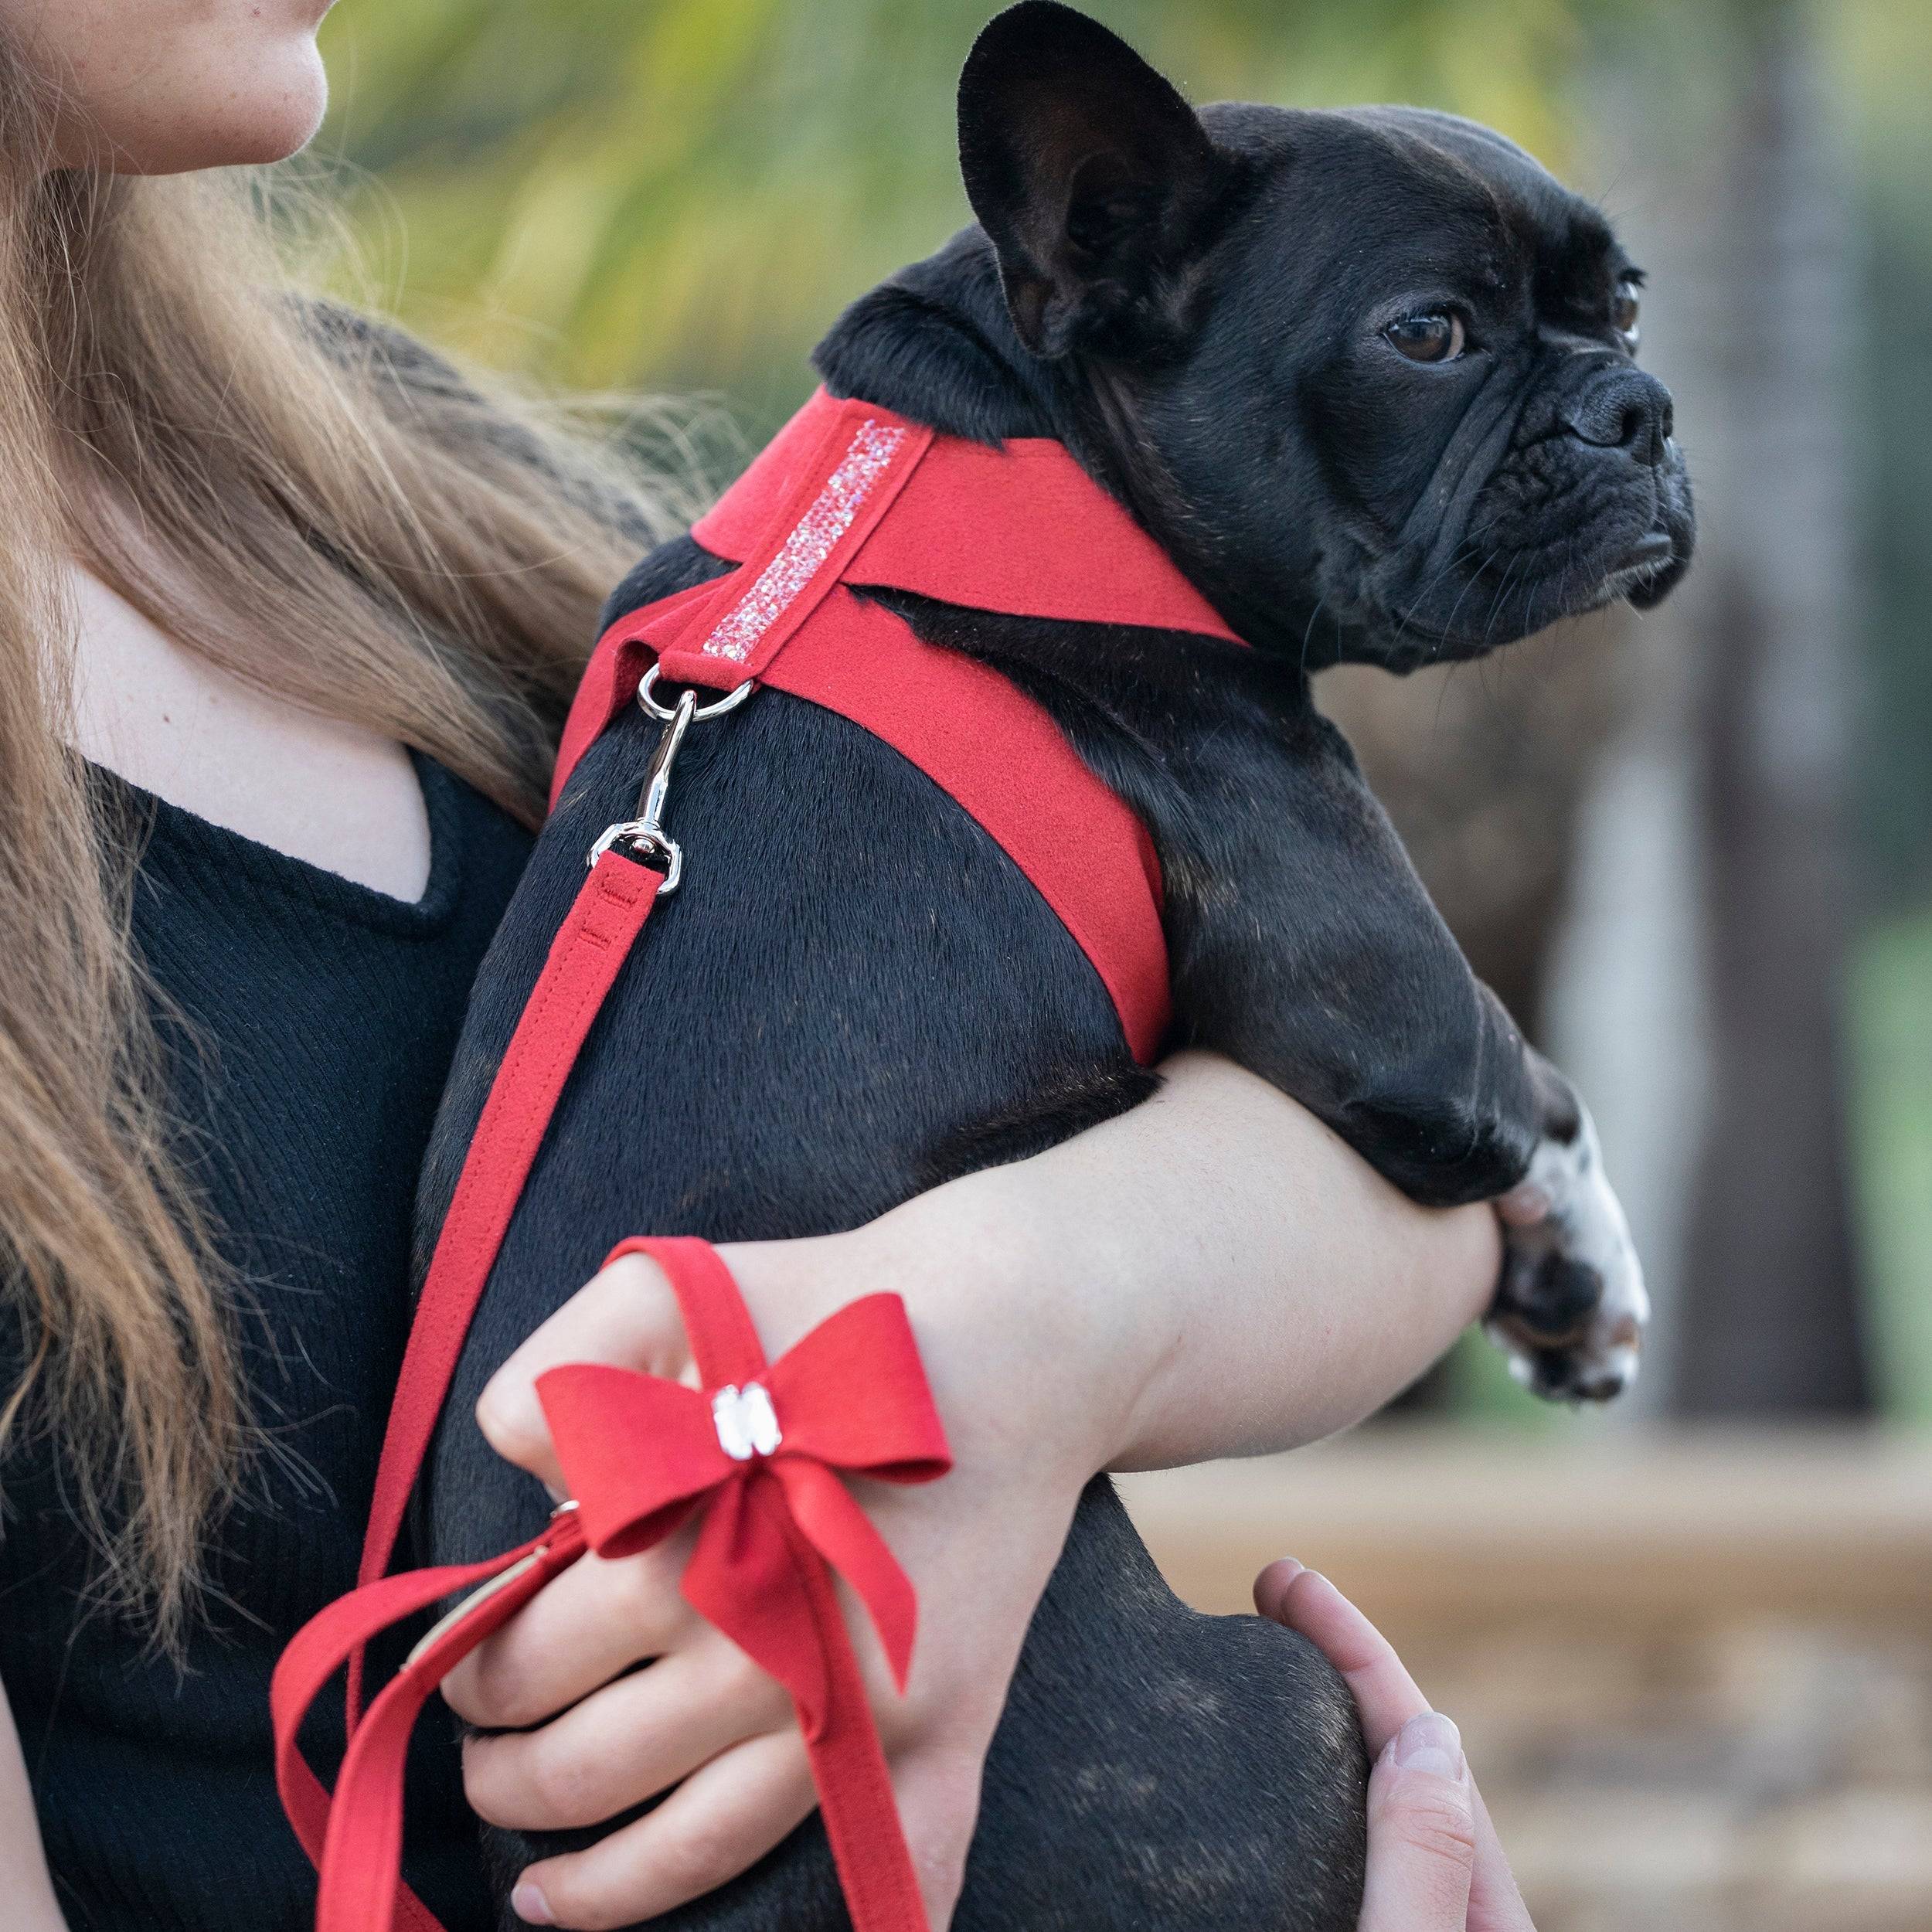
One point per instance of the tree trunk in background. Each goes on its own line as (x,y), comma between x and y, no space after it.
(1737,905)
(1774,1323)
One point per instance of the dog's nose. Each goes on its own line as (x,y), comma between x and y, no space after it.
(1622,409)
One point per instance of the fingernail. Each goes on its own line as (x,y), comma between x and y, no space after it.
(1285,1570)
(1272,1585)
(529,1904)
(1430,1743)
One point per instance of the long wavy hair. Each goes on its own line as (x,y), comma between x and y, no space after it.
(427,560)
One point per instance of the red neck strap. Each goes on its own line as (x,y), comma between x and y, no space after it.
(848,492)
(1021,529)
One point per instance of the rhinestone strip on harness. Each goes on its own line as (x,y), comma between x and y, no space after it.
(812,541)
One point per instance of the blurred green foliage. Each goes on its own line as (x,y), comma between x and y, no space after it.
(1887,49)
(682,194)
(1892,1139)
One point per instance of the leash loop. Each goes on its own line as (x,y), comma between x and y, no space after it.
(503,1580)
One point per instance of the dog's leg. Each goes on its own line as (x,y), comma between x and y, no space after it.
(1415,1063)
(1570,1308)
(1305,947)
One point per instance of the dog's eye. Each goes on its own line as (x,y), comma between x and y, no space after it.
(1624,307)
(1435,337)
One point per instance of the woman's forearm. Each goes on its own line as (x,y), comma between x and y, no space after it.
(1211,1274)
(1237,1277)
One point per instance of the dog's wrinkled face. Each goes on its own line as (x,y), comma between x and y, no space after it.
(1372,376)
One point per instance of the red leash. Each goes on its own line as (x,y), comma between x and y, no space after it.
(756,1456)
(846,495)
(357,1852)
(590,946)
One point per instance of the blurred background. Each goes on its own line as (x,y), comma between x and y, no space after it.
(1688,1640)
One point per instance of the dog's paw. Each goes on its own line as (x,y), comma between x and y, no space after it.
(1571,1306)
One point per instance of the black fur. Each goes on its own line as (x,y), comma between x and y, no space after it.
(856,994)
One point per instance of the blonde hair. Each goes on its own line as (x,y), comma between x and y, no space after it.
(320,508)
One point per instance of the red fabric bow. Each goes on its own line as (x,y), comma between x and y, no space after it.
(756,1453)
(642,1454)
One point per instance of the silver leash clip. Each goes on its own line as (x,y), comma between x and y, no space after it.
(646,833)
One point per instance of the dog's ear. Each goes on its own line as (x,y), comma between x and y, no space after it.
(1095,180)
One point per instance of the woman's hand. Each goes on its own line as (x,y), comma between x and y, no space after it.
(704,1713)
(1212,1273)
(1435,1863)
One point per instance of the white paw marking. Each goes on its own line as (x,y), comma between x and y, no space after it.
(1584,1224)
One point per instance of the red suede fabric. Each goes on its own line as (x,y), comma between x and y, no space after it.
(354,1834)
(583,959)
(642,1455)
(1022,529)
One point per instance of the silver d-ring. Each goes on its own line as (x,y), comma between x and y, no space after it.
(729,702)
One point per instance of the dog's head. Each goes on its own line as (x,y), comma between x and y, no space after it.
(1371,375)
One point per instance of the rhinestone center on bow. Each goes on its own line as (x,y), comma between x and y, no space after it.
(747,1423)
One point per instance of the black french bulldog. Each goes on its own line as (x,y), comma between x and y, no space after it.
(1368,376)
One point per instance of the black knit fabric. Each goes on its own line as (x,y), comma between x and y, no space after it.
(314,1026)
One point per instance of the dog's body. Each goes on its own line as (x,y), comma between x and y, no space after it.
(828,1025)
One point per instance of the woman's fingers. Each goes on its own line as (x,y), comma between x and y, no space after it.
(625,1742)
(730,1812)
(724,1817)
(1388,1700)
(1422,1832)
(1385,1693)
(595,1619)
(624,1314)
(1495,1900)
(937,1790)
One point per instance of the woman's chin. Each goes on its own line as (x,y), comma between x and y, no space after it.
(272,114)
(282,128)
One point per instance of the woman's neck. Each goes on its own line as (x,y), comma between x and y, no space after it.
(167,719)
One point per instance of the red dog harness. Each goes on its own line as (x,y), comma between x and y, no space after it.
(847,494)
